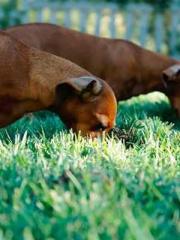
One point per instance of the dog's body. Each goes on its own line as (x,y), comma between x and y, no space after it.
(32,80)
(129,69)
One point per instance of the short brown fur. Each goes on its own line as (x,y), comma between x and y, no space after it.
(129,69)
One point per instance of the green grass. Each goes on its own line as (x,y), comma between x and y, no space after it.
(54,185)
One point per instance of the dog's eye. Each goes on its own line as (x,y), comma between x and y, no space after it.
(99,127)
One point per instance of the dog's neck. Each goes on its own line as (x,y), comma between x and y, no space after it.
(149,75)
(47,72)
(152,67)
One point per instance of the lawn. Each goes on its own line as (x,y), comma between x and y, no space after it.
(54,185)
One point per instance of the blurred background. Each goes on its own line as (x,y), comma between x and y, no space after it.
(152,24)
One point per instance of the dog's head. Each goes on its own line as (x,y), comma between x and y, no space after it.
(171,80)
(86,104)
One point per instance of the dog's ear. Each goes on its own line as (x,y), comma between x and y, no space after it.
(86,87)
(171,75)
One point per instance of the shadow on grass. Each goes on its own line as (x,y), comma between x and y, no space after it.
(147,106)
(137,108)
(38,124)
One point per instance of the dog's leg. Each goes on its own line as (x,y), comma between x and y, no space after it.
(175,102)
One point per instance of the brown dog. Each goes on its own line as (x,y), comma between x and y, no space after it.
(32,80)
(129,69)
